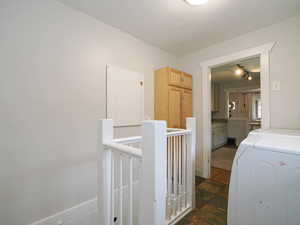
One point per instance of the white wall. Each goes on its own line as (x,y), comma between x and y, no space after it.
(52,91)
(284,67)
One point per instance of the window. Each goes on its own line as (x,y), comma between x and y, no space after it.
(256,107)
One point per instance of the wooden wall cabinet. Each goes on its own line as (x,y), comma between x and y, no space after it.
(173,96)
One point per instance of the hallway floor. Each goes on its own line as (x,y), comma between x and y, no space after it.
(211,200)
(223,157)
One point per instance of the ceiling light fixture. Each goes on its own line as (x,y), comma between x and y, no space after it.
(239,71)
(196,2)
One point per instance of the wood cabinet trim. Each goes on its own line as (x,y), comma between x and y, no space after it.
(189,78)
(174,77)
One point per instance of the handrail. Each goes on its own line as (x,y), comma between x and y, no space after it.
(128,140)
(178,133)
(174,129)
(136,139)
(136,152)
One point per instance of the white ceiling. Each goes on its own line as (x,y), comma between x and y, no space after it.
(178,28)
(226,73)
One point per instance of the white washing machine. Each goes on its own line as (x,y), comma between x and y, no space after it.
(265,179)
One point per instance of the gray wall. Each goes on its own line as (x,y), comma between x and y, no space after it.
(52,91)
(284,67)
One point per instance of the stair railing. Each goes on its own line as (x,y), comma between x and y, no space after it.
(147,180)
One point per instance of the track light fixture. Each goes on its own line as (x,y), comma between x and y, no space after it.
(241,71)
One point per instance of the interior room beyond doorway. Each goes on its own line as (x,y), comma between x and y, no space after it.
(236,108)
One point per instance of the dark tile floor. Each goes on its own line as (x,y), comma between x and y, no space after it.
(211,200)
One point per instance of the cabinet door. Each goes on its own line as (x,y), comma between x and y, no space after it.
(175,77)
(174,107)
(187,80)
(186,106)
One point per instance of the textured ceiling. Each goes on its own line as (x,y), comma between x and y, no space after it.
(225,73)
(178,28)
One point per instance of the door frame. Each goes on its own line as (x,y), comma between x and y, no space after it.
(263,52)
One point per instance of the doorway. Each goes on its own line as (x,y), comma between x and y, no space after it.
(235,108)
(205,113)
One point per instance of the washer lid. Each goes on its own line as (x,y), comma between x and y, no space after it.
(279,140)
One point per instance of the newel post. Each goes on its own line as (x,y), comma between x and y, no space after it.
(154,179)
(105,134)
(191,159)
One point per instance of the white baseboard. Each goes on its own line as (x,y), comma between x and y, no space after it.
(85,213)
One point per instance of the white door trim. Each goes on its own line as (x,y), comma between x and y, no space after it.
(262,51)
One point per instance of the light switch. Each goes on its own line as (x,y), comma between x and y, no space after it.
(276,86)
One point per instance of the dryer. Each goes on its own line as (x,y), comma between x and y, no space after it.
(265,180)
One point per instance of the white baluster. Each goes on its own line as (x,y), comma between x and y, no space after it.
(191,146)
(113,188)
(180,172)
(121,191)
(175,176)
(184,161)
(153,181)
(130,191)
(169,179)
(105,187)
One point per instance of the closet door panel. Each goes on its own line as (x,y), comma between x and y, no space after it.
(174,108)
(186,106)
